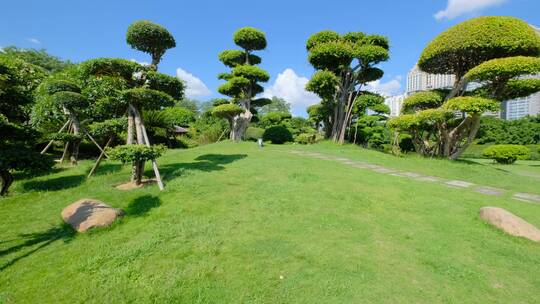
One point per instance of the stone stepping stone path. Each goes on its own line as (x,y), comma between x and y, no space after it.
(486,190)
(490,191)
(458,184)
(428,179)
(527,197)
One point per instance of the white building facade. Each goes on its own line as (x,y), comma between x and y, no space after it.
(418,81)
(395,103)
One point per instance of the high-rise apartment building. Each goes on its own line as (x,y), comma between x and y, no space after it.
(418,81)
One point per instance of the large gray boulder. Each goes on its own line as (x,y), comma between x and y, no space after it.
(510,223)
(89,213)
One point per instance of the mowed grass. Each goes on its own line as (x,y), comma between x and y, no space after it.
(239,224)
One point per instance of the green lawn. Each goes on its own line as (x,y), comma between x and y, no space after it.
(239,224)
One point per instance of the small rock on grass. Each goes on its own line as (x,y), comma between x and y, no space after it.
(510,223)
(89,213)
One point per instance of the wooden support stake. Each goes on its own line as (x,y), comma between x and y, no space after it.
(51,141)
(95,143)
(94,168)
(154,163)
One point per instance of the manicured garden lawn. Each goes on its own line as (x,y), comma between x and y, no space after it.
(239,224)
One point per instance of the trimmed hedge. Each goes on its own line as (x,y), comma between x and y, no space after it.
(507,154)
(254,133)
(277,135)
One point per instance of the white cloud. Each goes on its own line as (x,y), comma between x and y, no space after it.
(291,87)
(140,62)
(456,8)
(34,40)
(388,88)
(195,86)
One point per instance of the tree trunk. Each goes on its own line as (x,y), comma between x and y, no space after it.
(138,166)
(475,125)
(240,124)
(131,126)
(7,180)
(76,142)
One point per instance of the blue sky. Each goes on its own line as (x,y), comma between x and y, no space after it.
(80,30)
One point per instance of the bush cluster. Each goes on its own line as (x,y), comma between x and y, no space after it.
(132,153)
(277,135)
(507,154)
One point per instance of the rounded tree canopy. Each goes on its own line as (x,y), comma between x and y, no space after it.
(422,100)
(327,36)
(132,153)
(115,67)
(227,111)
(219,101)
(517,88)
(251,72)
(465,45)
(333,55)
(177,116)
(56,85)
(370,74)
(148,98)
(232,58)
(69,100)
(165,83)
(380,108)
(149,37)
(235,86)
(108,127)
(503,69)
(250,39)
(471,105)
(324,84)
(259,102)
(370,54)
(367,100)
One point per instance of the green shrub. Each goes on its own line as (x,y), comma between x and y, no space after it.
(254,133)
(277,135)
(406,143)
(507,154)
(306,138)
(132,153)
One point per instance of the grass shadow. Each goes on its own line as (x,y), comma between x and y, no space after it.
(54,184)
(41,240)
(142,205)
(106,168)
(205,163)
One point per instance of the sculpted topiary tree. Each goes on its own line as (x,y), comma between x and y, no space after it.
(143,89)
(64,96)
(150,38)
(492,52)
(243,81)
(18,79)
(344,64)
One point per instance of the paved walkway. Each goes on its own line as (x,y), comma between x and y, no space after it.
(527,197)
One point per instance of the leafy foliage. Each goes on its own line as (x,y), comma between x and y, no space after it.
(227,111)
(135,153)
(254,133)
(277,135)
(476,105)
(525,131)
(148,98)
(250,39)
(421,101)
(150,38)
(507,154)
(466,45)
(165,83)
